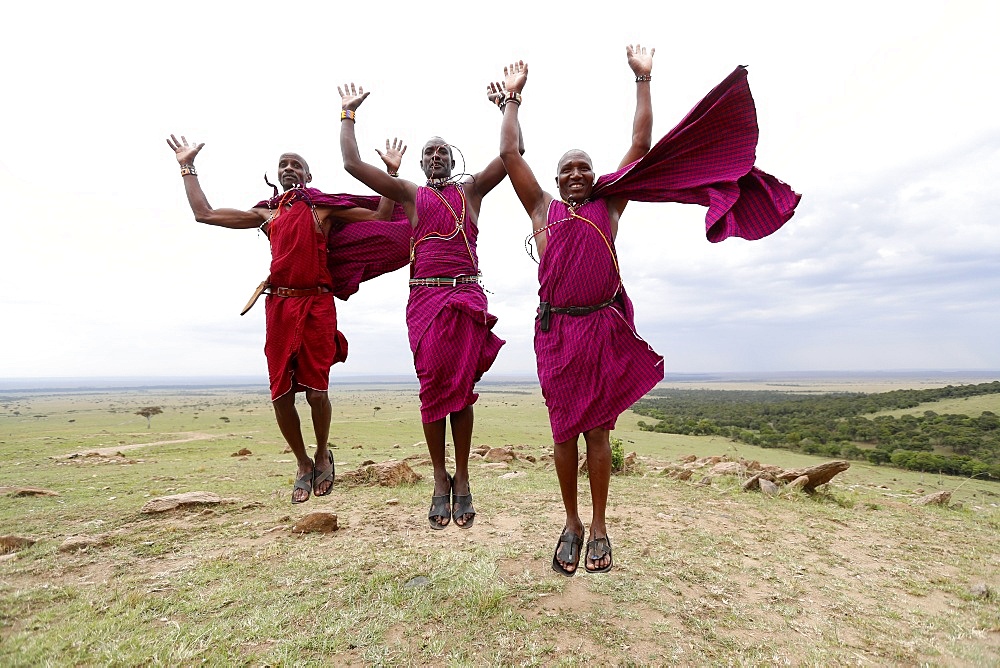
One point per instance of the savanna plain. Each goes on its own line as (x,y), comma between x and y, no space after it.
(705,573)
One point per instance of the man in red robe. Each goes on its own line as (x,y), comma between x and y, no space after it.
(592,365)
(302,341)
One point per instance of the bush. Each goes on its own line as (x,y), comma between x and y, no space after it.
(617,455)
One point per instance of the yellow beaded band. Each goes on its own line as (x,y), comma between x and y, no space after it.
(348,115)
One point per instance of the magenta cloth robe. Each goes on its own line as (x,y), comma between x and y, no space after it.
(449,328)
(708,159)
(591,367)
(594,367)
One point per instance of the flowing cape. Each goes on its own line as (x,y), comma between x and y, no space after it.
(361,250)
(708,159)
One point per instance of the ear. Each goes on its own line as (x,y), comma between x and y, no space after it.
(309,177)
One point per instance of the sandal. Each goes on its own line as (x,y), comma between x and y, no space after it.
(304,481)
(569,554)
(597,549)
(320,477)
(439,508)
(462,505)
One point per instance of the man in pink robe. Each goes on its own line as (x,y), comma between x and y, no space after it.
(592,365)
(304,228)
(450,330)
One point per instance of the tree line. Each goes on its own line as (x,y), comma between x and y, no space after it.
(837,425)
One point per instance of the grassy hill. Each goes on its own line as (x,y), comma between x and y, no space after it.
(705,574)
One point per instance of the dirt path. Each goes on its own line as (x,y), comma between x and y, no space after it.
(104,452)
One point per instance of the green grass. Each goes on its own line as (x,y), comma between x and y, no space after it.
(704,575)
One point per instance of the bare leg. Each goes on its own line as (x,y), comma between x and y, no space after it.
(461,433)
(599,468)
(566,460)
(434,433)
(288,424)
(322,413)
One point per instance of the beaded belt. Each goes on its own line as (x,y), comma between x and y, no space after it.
(443,282)
(296,292)
(545,311)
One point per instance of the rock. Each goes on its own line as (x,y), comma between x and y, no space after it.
(77,543)
(707,480)
(357,447)
(482,450)
(981,590)
(26,491)
(727,468)
(752,483)
(318,522)
(243,452)
(390,473)
(937,498)
(817,475)
(505,454)
(688,459)
(512,475)
(392,502)
(684,474)
(14,543)
(494,466)
(530,458)
(768,487)
(368,462)
(164,503)
(799,483)
(287,449)
(419,581)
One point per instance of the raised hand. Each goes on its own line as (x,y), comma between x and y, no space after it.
(515,76)
(640,62)
(185,154)
(495,92)
(393,156)
(351,97)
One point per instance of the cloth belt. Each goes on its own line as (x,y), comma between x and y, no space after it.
(442,282)
(267,288)
(545,311)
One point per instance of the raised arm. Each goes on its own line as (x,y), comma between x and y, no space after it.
(394,188)
(533,198)
(236,219)
(495,172)
(642,125)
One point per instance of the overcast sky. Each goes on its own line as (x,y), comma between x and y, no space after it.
(882,114)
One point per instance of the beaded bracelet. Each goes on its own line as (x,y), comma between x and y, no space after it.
(644,77)
(187,170)
(394,175)
(348,115)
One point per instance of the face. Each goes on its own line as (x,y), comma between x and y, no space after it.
(575,176)
(293,170)
(436,161)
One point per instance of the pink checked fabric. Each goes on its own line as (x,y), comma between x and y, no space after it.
(708,159)
(449,328)
(595,366)
(302,341)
